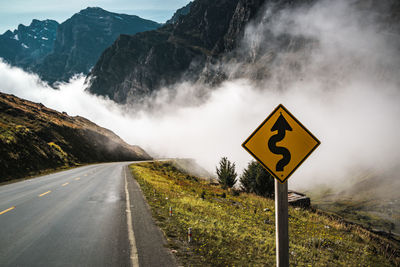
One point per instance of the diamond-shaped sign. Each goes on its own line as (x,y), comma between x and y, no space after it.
(281,143)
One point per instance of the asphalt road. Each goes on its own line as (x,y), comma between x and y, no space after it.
(89,216)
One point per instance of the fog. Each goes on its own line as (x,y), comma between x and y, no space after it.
(340,78)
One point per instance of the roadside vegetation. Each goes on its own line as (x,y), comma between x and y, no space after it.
(232,229)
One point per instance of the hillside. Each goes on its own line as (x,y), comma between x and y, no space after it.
(229,229)
(34,138)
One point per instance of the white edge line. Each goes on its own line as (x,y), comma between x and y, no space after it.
(133,251)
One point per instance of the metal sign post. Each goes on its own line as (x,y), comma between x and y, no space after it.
(281,144)
(281,224)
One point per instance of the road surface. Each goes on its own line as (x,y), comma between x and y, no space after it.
(89,216)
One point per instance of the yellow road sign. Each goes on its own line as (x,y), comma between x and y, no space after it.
(281,143)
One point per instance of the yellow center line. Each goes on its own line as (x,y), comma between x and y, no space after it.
(76,179)
(85,175)
(65,184)
(45,193)
(4,211)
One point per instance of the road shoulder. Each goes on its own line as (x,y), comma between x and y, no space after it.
(150,242)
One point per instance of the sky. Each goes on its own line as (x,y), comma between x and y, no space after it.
(13,13)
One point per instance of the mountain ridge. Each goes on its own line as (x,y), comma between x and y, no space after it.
(27,45)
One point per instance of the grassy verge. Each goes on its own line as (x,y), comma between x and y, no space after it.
(232,230)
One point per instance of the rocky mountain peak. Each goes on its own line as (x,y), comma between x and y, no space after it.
(28,44)
(8,34)
(90,10)
(179,13)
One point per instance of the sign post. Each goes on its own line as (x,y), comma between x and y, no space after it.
(282,224)
(281,144)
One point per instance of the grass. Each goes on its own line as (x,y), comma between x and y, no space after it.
(239,230)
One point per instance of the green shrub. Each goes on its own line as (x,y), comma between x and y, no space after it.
(255,179)
(226,173)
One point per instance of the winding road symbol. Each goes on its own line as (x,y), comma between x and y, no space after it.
(281,143)
(281,125)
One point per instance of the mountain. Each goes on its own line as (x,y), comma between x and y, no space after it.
(58,51)
(137,65)
(206,45)
(82,38)
(27,45)
(34,138)
(180,12)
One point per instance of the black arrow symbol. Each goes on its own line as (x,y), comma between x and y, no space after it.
(281,125)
